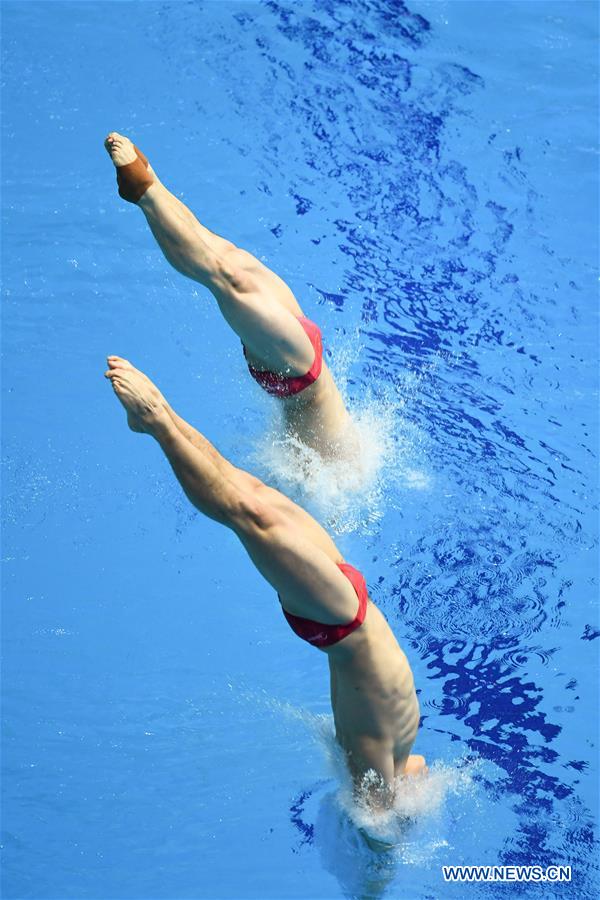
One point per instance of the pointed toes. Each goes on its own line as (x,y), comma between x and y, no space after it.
(116,362)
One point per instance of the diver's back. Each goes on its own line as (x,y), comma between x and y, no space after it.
(373,692)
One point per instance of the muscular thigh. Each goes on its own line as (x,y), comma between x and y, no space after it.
(298,520)
(308,581)
(273,338)
(265,279)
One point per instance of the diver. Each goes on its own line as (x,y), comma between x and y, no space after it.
(323,598)
(283,348)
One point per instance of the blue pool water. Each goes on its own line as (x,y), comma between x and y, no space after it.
(425,177)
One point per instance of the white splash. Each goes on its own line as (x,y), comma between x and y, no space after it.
(417,799)
(412,829)
(384,452)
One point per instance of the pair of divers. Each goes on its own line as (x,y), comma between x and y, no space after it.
(324,598)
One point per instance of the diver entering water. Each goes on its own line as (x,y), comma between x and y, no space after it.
(282,347)
(325,600)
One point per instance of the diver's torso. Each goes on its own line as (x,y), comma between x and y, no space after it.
(318,416)
(372,687)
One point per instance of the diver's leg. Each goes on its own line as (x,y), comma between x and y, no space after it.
(255,302)
(191,434)
(261,312)
(295,555)
(198,253)
(174,222)
(189,247)
(201,470)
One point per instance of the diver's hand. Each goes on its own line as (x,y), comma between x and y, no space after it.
(415,765)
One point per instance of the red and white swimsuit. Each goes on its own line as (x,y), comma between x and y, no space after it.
(280,385)
(320,635)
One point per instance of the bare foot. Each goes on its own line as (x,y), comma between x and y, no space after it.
(120,149)
(134,173)
(146,407)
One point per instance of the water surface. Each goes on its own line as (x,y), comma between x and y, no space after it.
(424,176)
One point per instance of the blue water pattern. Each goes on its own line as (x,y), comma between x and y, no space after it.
(425,177)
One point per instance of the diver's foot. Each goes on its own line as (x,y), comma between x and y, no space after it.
(146,407)
(134,173)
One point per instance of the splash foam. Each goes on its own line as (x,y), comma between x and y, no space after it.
(416,799)
(382,451)
(412,830)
